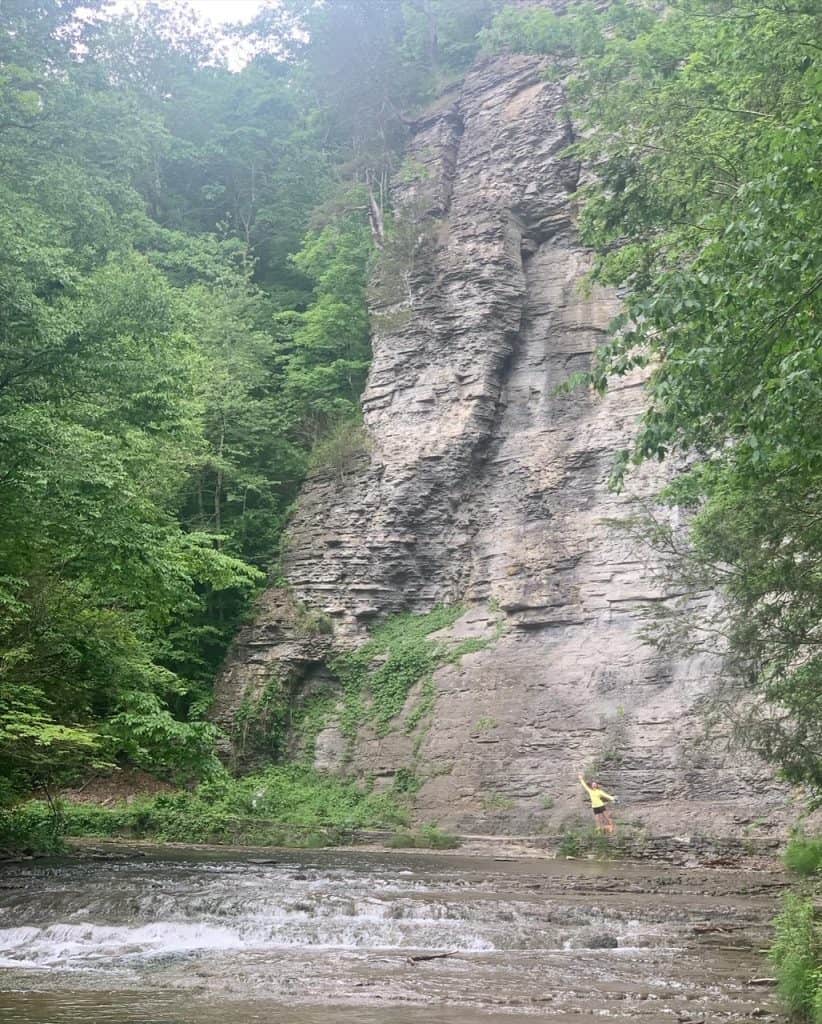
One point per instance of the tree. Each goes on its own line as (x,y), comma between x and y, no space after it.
(99,423)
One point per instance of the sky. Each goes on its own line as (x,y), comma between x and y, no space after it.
(216,11)
(226,10)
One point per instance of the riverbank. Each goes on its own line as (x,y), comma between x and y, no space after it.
(681,851)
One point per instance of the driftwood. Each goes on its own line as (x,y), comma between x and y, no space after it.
(429,956)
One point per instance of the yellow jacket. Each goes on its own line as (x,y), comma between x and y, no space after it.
(598,796)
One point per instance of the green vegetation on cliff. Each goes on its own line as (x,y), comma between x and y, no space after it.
(378,676)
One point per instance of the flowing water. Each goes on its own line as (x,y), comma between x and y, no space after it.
(321,936)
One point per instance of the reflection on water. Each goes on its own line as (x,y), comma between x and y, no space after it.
(143,1008)
(348,936)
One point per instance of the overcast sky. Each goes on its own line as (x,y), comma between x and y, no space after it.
(227,10)
(215,11)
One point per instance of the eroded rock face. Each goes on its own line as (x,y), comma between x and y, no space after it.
(483,486)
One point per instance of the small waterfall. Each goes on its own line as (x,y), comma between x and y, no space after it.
(141,912)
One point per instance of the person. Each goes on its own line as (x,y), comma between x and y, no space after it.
(602,813)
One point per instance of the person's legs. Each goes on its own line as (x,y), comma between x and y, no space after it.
(608,821)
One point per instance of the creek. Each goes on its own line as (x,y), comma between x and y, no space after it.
(302,937)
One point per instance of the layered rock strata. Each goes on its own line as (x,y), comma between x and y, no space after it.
(480,484)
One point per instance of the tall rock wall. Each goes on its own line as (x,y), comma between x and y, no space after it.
(480,485)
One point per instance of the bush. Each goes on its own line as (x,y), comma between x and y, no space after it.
(339,450)
(280,806)
(804,856)
(31,828)
(428,837)
(797,955)
(569,845)
(587,841)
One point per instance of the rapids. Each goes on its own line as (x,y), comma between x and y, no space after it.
(306,937)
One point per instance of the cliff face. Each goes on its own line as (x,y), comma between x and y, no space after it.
(481,486)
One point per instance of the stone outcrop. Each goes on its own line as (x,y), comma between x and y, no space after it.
(482,485)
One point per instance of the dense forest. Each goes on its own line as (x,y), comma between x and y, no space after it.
(184,327)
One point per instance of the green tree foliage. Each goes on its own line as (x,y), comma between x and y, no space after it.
(100,422)
(99,419)
(182,320)
(368,64)
(703,126)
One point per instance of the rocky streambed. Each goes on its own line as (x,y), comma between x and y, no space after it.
(396,938)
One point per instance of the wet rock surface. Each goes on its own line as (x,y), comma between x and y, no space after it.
(368,937)
(482,485)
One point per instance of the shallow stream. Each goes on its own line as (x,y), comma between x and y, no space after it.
(185,937)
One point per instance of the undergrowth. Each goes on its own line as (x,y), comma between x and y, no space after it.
(583,841)
(804,856)
(30,828)
(796,954)
(427,837)
(284,805)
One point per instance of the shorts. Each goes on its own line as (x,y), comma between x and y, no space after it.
(599,810)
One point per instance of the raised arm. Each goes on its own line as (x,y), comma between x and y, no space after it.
(585,784)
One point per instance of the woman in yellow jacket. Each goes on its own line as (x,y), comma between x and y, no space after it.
(602,813)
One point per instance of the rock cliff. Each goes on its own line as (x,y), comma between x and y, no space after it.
(479,486)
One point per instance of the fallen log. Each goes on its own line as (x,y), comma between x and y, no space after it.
(430,956)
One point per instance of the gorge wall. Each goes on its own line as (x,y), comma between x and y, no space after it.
(479,486)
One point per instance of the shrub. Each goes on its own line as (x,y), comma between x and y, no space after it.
(804,856)
(587,840)
(428,837)
(797,956)
(569,845)
(282,805)
(339,450)
(30,828)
